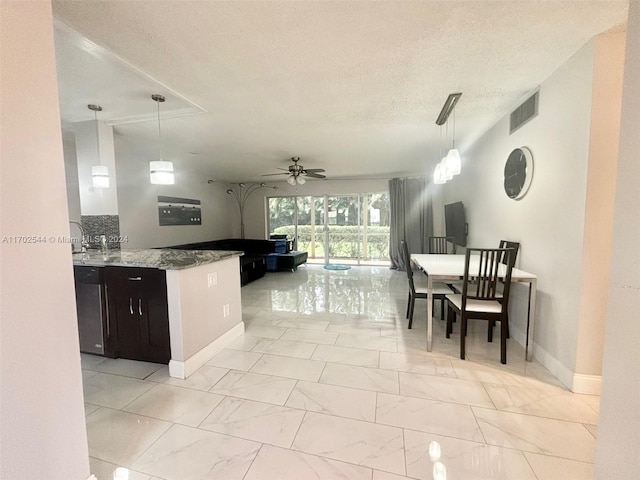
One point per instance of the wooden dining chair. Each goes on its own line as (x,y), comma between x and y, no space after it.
(418,289)
(440,245)
(480,299)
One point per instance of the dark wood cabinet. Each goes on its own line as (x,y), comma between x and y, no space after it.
(138,313)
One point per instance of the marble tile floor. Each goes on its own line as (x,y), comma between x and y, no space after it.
(328,383)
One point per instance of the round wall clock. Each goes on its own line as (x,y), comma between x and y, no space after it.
(518,172)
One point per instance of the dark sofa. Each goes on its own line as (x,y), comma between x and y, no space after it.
(253,264)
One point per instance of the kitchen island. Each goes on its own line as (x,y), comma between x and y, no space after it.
(202,302)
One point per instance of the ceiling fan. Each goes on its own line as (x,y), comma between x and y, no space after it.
(298,172)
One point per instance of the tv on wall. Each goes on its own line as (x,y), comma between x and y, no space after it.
(455,223)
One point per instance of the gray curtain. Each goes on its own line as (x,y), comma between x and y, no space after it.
(411,217)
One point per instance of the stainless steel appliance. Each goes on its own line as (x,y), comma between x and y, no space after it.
(92,308)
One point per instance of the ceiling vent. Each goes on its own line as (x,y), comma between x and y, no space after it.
(524,113)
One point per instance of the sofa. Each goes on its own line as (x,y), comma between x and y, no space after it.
(253,264)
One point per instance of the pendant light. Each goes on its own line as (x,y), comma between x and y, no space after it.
(99,173)
(438,174)
(161,171)
(454,164)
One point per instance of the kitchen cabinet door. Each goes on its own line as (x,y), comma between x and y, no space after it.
(139,314)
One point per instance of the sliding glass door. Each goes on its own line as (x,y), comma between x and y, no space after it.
(351,229)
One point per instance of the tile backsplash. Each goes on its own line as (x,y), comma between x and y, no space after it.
(108,225)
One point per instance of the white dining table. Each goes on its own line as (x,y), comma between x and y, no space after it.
(450,268)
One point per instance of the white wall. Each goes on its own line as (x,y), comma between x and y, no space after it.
(71,175)
(601,186)
(549,221)
(255,209)
(42,413)
(619,428)
(138,202)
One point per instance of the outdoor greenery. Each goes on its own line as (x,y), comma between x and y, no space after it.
(345,222)
(344,241)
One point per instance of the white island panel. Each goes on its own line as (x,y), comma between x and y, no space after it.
(198,327)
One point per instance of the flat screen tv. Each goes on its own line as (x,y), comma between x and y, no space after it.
(455,223)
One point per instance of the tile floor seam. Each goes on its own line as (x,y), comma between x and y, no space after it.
(252,461)
(531,415)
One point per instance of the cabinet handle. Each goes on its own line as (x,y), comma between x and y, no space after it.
(140,306)
(106,303)
(134,279)
(131,305)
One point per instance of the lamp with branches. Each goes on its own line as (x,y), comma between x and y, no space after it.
(241,192)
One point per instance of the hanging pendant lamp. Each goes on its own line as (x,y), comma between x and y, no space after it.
(161,171)
(454,163)
(99,173)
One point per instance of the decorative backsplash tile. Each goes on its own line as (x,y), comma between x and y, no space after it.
(108,225)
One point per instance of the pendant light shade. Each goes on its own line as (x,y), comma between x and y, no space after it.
(438,178)
(99,173)
(454,164)
(100,176)
(445,169)
(161,171)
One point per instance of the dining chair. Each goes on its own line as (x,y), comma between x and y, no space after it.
(418,289)
(440,245)
(480,299)
(508,244)
(457,286)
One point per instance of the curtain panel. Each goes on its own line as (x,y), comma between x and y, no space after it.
(411,217)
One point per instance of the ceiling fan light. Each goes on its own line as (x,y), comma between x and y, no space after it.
(161,172)
(291,180)
(454,163)
(100,176)
(301,180)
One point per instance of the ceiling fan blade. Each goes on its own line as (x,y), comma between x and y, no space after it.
(314,170)
(314,175)
(271,174)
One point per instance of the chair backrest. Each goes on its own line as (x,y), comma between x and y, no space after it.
(440,245)
(507,244)
(407,261)
(484,268)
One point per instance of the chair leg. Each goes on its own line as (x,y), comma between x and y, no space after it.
(412,303)
(463,330)
(408,305)
(449,320)
(441,308)
(504,327)
(490,330)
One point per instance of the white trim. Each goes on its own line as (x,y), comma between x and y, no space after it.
(92,477)
(182,370)
(576,382)
(555,366)
(587,384)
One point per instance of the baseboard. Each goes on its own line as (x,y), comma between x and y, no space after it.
(182,370)
(587,384)
(576,382)
(555,366)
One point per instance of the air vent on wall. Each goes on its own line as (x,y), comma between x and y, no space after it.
(524,113)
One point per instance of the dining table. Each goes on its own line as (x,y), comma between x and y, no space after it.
(450,268)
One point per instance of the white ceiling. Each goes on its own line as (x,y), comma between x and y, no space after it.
(353,87)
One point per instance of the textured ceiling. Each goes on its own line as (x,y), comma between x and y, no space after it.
(351,87)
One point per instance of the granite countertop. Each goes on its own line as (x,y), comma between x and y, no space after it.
(162,258)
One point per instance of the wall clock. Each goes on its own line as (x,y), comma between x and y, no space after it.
(518,172)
